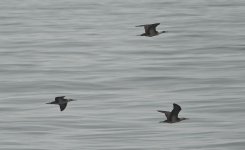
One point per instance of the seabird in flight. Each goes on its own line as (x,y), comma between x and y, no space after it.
(61,101)
(150,30)
(172,116)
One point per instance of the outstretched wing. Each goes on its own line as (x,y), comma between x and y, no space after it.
(167,113)
(152,28)
(63,106)
(154,25)
(175,112)
(141,25)
(146,26)
(149,27)
(59,97)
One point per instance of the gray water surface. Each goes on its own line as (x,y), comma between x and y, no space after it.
(88,50)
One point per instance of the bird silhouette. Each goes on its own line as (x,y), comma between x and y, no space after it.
(150,30)
(61,101)
(172,116)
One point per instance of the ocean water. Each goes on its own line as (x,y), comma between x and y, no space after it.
(89,50)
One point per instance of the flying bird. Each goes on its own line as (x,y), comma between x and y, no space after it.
(150,30)
(61,101)
(172,116)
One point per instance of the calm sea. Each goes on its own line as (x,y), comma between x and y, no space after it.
(89,50)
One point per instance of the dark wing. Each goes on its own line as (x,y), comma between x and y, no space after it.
(167,113)
(146,26)
(63,106)
(175,112)
(154,25)
(152,28)
(59,97)
(140,25)
(149,27)
(53,102)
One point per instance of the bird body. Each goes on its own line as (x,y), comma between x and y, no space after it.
(172,116)
(61,101)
